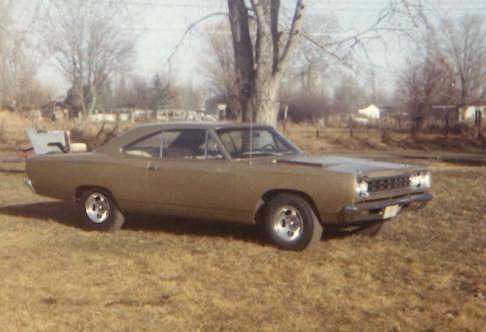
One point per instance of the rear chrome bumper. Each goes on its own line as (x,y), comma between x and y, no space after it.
(28,183)
(374,210)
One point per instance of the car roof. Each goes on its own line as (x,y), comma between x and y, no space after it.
(196,125)
(145,130)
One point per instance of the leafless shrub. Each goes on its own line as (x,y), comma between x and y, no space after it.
(462,129)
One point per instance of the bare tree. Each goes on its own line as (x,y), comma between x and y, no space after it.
(464,44)
(5,8)
(461,42)
(219,66)
(18,60)
(161,93)
(348,96)
(311,67)
(263,48)
(141,92)
(262,58)
(90,43)
(425,80)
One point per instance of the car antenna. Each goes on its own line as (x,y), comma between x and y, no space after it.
(251,134)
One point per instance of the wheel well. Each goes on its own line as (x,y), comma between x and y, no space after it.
(79,190)
(269,195)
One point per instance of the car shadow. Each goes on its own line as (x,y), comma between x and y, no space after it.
(65,213)
(60,212)
(11,171)
(196,227)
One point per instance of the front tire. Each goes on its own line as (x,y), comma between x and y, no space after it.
(290,222)
(99,211)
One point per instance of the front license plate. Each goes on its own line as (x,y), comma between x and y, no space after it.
(391,211)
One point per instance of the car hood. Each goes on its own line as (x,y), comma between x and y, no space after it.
(356,166)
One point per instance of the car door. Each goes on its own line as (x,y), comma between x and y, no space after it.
(134,178)
(193,174)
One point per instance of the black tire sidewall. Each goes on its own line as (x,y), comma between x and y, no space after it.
(307,214)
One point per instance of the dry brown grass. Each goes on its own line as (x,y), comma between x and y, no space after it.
(372,139)
(426,272)
(13,127)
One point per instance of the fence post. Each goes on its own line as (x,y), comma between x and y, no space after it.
(479,119)
(285,117)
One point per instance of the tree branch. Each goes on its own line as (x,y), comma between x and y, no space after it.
(295,28)
(275,8)
(189,29)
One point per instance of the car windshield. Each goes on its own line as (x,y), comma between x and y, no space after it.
(264,142)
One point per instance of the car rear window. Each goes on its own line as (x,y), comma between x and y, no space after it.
(170,144)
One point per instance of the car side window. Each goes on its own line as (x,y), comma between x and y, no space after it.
(177,144)
(232,140)
(184,144)
(213,149)
(263,139)
(149,147)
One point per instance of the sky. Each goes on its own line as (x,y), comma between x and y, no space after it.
(160,24)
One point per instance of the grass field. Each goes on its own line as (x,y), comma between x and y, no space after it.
(426,271)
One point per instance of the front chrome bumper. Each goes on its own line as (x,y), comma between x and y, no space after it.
(28,183)
(374,210)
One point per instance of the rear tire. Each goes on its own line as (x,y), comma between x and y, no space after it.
(99,211)
(290,223)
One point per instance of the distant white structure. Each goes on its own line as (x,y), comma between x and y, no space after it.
(183,115)
(102,117)
(366,115)
(471,113)
(139,115)
(371,112)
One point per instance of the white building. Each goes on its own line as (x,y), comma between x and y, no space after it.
(371,112)
(367,115)
(470,113)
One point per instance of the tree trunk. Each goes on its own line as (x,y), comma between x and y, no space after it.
(267,112)
(264,101)
(243,50)
(259,72)
(93,101)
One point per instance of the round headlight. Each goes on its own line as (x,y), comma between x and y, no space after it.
(426,180)
(421,180)
(361,188)
(415,181)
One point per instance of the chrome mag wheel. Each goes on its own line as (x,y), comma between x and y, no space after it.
(288,223)
(97,207)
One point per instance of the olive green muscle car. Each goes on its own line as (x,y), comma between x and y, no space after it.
(224,171)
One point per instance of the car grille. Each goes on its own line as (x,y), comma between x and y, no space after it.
(388,184)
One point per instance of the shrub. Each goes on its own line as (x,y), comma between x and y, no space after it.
(462,129)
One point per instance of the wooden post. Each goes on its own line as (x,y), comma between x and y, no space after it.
(479,119)
(351,127)
(446,133)
(285,117)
